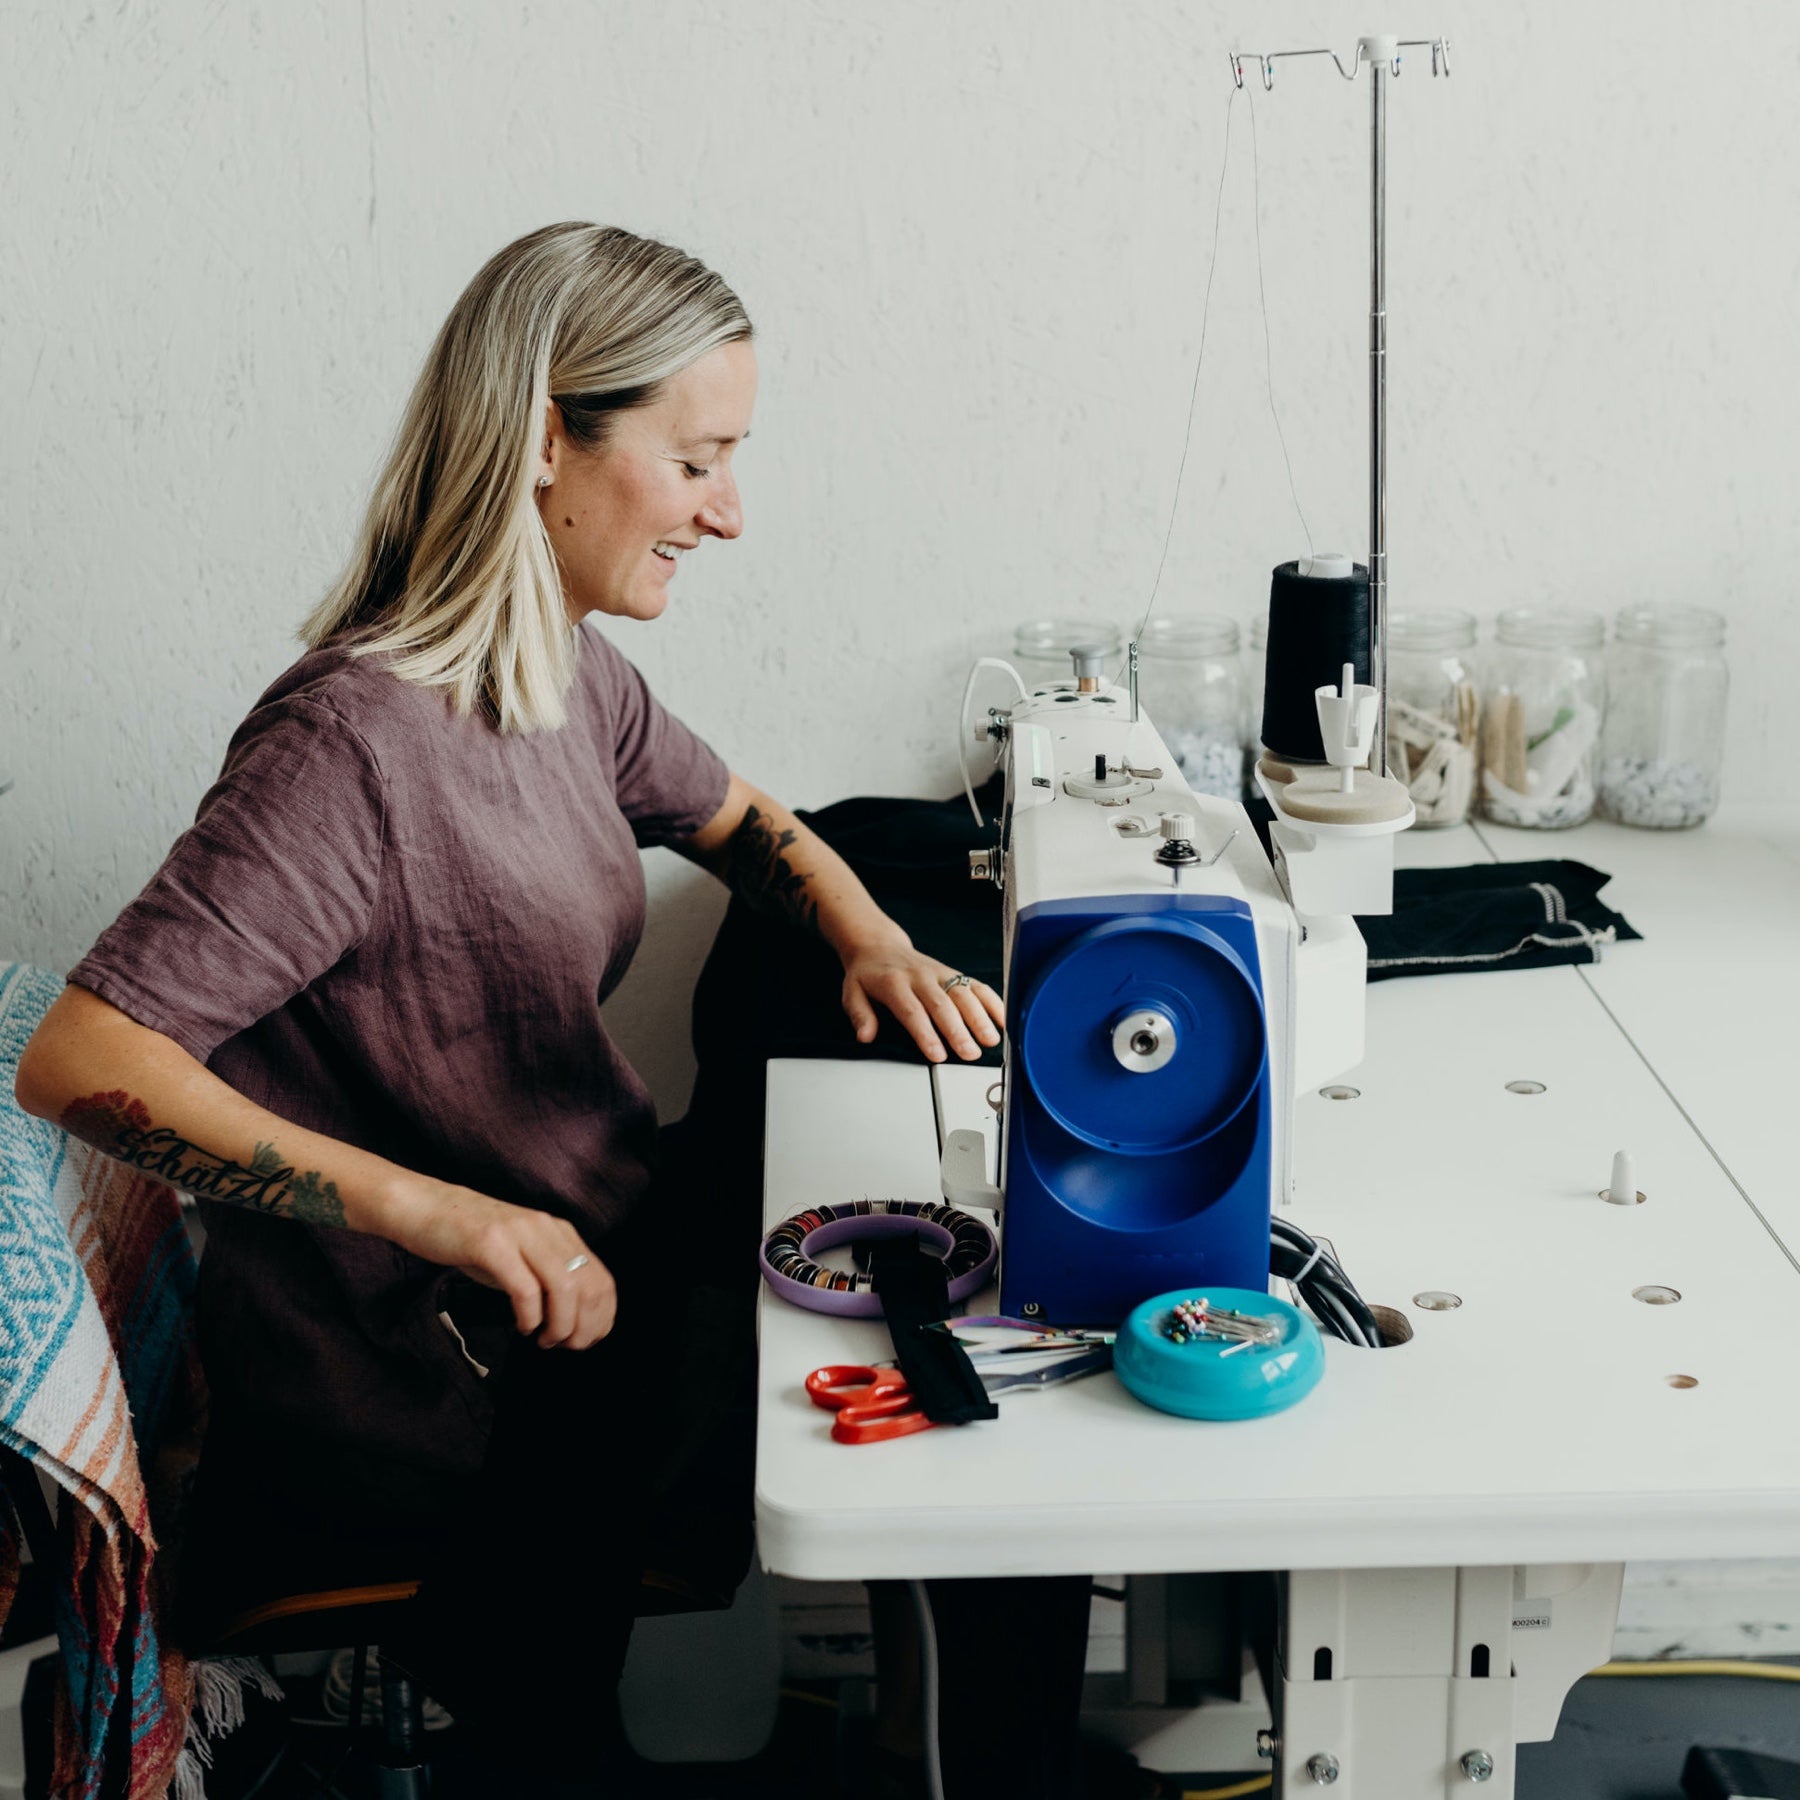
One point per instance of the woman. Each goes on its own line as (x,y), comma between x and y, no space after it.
(356,1013)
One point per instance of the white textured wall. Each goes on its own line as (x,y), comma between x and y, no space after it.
(974,236)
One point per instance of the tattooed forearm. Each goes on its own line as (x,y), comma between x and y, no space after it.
(316,1200)
(763,876)
(122,1127)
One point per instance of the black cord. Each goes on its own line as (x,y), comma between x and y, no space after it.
(1325,1288)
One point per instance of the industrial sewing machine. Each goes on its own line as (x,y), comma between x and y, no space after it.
(1167,997)
(1169,993)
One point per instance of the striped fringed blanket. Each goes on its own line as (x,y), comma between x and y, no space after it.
(97,1376)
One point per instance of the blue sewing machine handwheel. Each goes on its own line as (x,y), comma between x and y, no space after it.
(1209,1379)
(1168,964)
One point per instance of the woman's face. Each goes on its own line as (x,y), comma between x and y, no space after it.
(622,516)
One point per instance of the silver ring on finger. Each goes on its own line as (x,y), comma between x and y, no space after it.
(576,1264)
(956,981)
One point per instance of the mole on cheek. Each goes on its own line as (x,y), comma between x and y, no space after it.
(567,520)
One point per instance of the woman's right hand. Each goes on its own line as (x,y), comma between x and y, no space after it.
(524,1253)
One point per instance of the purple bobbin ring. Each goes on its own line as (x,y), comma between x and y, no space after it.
(968,1247)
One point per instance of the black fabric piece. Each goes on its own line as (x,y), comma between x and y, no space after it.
(1492,916)
(914,1294)
(770,989)
(1730,1774)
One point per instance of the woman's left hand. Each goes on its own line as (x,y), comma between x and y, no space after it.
(935,1003)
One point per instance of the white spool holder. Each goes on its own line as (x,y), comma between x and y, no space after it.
(1347,724)
(1343,865)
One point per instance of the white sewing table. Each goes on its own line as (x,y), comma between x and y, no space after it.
(1536,1422)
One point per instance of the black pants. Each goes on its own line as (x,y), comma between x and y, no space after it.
(1011,1654)
(526,1610)
(617,1481)
(591,1479)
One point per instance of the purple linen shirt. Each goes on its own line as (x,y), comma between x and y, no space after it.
(396,927)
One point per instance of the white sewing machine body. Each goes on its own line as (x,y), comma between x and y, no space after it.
(1063,846)
(1416,1681)
(1164,1002)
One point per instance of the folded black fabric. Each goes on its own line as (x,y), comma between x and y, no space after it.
(1492,916)
(770,989)
(915,1294)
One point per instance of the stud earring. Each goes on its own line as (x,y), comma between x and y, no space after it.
(543,481)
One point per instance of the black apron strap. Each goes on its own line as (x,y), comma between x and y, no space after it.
(915,1293)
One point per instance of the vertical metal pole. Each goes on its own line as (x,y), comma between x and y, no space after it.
(1378,407)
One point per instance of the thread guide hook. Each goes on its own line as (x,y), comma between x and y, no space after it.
(1369,49)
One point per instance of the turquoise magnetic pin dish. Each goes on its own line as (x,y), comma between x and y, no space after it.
(1165,1361)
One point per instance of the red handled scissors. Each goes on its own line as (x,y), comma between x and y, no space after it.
(875,1403)
(870,1403)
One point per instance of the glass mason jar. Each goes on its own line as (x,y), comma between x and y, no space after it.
(1665,719)
(1542,700)
(1433,712)
(1191,683)
(1040,648)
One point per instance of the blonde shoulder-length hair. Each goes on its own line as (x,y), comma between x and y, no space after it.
(454,575)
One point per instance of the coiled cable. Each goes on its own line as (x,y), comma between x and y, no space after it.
(1323,1285)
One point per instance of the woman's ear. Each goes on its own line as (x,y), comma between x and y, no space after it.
(552,444)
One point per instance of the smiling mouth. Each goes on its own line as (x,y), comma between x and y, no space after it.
(667,552)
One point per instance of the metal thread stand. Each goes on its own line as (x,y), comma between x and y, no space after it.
(1382,54)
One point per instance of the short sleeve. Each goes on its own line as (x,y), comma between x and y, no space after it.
(668,781)
(271,886)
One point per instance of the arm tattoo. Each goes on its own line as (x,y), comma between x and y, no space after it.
(763,877)
(121,1126)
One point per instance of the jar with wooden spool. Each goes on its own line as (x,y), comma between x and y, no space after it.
(1433,712)
(1543,703)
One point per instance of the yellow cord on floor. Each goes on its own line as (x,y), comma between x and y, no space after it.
(1757,1671)
(1256,1785)
(806,1698)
